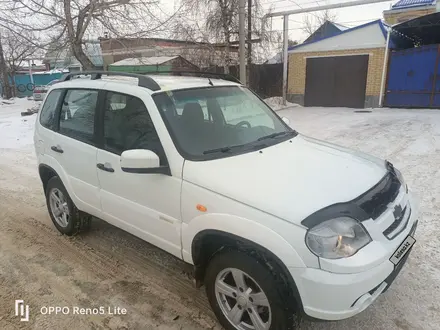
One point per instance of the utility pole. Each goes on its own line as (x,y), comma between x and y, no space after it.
(30,72)
(286,14)
(249,38)
(285,56)
(241,18)
(384,68)
(6,86)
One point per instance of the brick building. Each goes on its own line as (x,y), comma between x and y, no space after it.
(199,53)
(61,57)
(344,70)
(153,64)
(405,10)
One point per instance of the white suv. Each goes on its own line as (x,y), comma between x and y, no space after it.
(274,222)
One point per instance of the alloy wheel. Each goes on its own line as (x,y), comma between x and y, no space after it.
(59,207)
(242,301)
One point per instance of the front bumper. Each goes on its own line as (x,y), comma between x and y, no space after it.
(331,296)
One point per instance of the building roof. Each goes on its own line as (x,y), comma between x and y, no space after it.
(278,58)
(62,56)
(142,61)
(340,26)
(413,3)
(233,44)
(327,29)
(423,30)
(369,35)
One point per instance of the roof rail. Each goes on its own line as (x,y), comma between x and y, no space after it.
(143,81)
(224,76)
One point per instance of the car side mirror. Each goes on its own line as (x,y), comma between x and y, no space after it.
(286,120)
(142,161)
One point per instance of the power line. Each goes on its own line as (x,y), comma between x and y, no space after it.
(316,16)
(302,4)
(305,3)
(347,22)
(358,21)
(294,21)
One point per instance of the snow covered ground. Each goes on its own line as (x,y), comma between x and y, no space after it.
(16,131)
(276,103)
(408,138)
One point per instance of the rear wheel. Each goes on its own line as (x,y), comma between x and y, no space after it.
(64,214)
(245,295)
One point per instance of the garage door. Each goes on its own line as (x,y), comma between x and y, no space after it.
(338,81)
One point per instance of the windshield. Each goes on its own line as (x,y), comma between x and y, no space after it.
(214,122)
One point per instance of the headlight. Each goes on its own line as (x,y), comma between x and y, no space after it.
(337,238)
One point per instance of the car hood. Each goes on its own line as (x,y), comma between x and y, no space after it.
(292,179)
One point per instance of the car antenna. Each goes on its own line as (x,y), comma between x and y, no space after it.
(210,82)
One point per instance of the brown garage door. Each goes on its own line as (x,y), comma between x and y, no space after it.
(338,81)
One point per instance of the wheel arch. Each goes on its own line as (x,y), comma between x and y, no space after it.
(209,242)
(46,173)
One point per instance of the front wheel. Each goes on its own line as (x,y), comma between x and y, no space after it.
(244,294)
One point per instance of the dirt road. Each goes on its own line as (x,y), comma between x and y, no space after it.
(108,267)
(105,267)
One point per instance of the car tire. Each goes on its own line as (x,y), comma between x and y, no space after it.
(264,288)
(64,214)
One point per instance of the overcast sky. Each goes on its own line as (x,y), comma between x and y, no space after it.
(350,17)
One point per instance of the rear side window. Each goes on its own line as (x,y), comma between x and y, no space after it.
(47,117)
(77,117)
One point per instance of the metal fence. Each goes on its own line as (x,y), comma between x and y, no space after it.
(264,79)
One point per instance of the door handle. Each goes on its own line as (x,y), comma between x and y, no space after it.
(57,148)
(107,167)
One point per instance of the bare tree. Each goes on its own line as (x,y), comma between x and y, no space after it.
(220,23)
(199,49)
(222,20)
(16,52)
(215,22)
(6,86)
(260,31)
(70,22)
(292,43)
(312,22)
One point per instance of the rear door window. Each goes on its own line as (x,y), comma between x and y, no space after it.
(77,117)
(48,112)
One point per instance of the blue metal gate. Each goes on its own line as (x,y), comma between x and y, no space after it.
(414,78)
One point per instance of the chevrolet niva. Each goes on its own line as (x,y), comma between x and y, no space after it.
(275,223)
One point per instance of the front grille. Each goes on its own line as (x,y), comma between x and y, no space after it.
(390,279)
(375,201)
(390,230)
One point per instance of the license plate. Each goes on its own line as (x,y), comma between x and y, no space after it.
(402,250)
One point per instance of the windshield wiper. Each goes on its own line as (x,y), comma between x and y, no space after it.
(274,135)
(222,149)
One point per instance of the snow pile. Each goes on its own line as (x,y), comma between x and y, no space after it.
(16,131)
(276,103)
(134,61)
(53,71)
